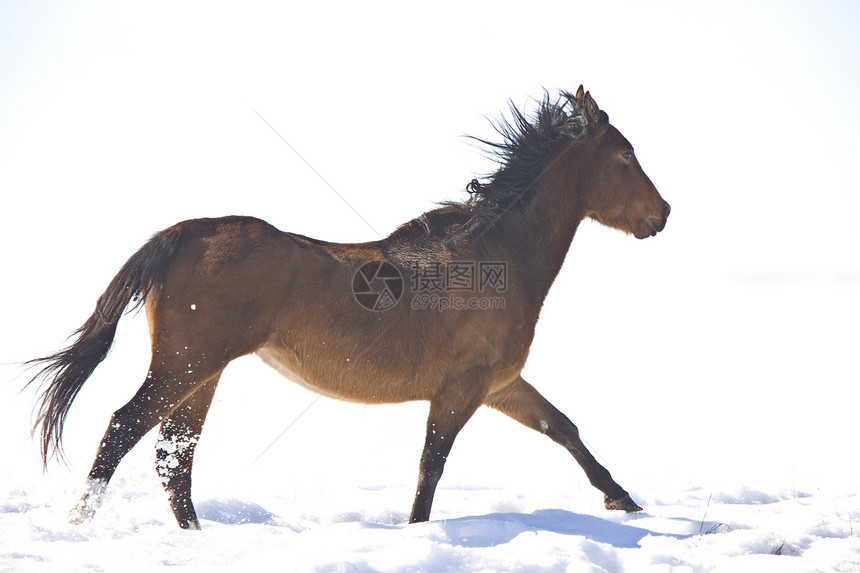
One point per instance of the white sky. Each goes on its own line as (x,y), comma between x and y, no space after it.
(119,119)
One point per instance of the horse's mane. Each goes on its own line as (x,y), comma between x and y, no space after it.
(525,144)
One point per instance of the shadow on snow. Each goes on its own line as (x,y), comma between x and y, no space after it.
(234,512)
(477,531)
(497,528)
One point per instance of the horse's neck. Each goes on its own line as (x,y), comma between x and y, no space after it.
(537,239)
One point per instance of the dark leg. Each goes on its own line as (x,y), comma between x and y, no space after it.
(162,392)
(175,451)
(448,415)
(524,404)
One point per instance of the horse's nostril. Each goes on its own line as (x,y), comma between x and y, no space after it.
(666,210)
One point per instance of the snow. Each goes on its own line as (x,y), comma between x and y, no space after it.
(333,491)
(712,369)
(802,533)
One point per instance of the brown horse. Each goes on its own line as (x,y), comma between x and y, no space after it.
(444,309)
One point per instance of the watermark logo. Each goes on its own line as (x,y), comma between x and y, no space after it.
(457,285)
(377,285)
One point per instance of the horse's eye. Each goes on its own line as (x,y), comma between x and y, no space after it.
(627,155)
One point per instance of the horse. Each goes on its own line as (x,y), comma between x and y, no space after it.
(365,322)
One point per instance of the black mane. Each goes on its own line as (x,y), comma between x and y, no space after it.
(522,152)
(525,145)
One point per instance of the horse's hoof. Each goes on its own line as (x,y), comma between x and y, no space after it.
(190,524)
(624,504)
(89,501)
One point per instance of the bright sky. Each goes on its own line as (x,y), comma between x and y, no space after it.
(118,119)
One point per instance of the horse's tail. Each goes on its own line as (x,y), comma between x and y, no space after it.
(64,373)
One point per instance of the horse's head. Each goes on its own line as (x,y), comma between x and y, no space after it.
(616,191)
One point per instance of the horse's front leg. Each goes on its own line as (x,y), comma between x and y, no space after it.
(523,403)
(449,412)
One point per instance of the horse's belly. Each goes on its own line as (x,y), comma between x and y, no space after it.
(344,383)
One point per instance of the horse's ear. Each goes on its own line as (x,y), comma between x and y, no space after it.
(592,111)
(580,93)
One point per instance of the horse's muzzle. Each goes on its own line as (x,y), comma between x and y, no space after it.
(657,223)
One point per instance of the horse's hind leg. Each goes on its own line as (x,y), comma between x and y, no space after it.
(161,393)
(177,440)
(523,403)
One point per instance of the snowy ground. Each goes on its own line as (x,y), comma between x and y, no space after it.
(744,464)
